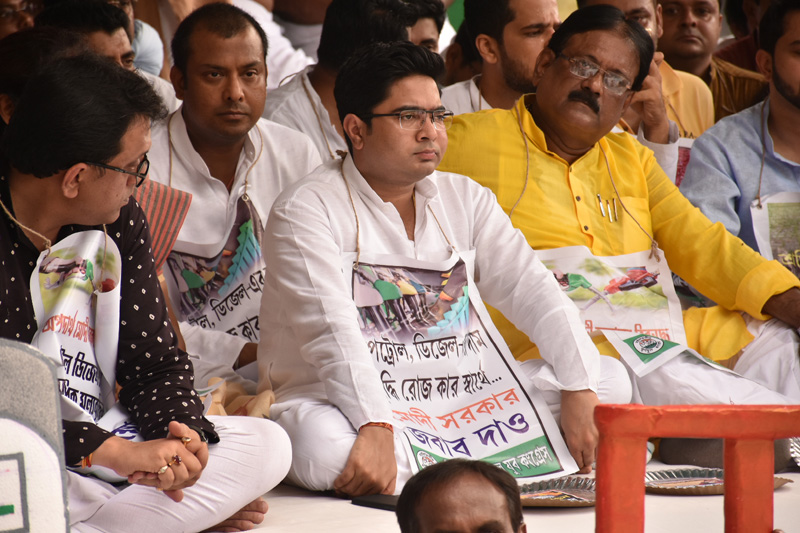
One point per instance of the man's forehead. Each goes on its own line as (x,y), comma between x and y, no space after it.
(520,7)
(610,49)
(695,3)
(627,6)
(415,91)
(210,42)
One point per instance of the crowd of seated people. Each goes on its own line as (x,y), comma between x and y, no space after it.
(382,256)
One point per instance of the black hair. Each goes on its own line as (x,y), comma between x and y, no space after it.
(735,16)
(76,110)
(220,19)
(773,23)
(606,18)
(469,52)
(364,81)
(422,9)
(23,53)
(487,17)
(351,24)
(437,475)
(84,16)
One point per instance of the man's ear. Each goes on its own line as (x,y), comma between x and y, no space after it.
(659,22)
(488,49)
(178,81)
(764,64)
(626,104)
(543,62)
(6,107)
(355,129)
(74,177)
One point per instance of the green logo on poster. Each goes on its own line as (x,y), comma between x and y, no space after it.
(647,347)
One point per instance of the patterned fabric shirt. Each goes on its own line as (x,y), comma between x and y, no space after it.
(155,376)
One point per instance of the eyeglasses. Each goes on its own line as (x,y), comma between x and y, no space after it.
(11,12)
(414,119)
(583,68)
(140,174)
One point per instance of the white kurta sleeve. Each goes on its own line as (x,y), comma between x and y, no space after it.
(306,275)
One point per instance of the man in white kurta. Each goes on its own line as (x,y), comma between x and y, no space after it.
(215,271)
(329,396)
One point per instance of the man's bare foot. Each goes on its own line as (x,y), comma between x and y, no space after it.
(244,519)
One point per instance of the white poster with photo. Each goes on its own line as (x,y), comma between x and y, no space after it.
(628,294)
(75,291)
(776,224)
(454,388)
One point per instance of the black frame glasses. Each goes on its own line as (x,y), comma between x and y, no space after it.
(414,119)
(140,174)
(590,69)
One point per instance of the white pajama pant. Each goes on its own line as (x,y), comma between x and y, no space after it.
(767,373)
(252,457)
(322,436)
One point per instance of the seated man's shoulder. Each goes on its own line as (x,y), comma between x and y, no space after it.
(734,128)
(456,97)
(624,142)
(476,127)
(283,102)
(694,85)
(322,185)
(735,71)
(164,89)
(285,138)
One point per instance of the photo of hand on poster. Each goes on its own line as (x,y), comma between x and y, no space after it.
(636,290)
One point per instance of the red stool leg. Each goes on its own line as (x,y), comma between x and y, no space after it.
(621,465)
(749,485)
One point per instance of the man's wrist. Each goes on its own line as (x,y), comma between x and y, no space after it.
(384,425)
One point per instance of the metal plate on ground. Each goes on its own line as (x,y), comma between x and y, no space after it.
(691,481)
(569,491)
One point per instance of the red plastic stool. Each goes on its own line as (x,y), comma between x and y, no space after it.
(748,430)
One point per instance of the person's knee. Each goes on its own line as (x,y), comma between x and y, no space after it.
(262,443)
(318,455)
(615,383)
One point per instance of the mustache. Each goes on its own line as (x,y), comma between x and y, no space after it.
(587,98)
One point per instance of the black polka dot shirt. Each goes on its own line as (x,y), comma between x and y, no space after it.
(155,375)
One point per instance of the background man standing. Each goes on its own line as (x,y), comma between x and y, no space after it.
(691,34)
